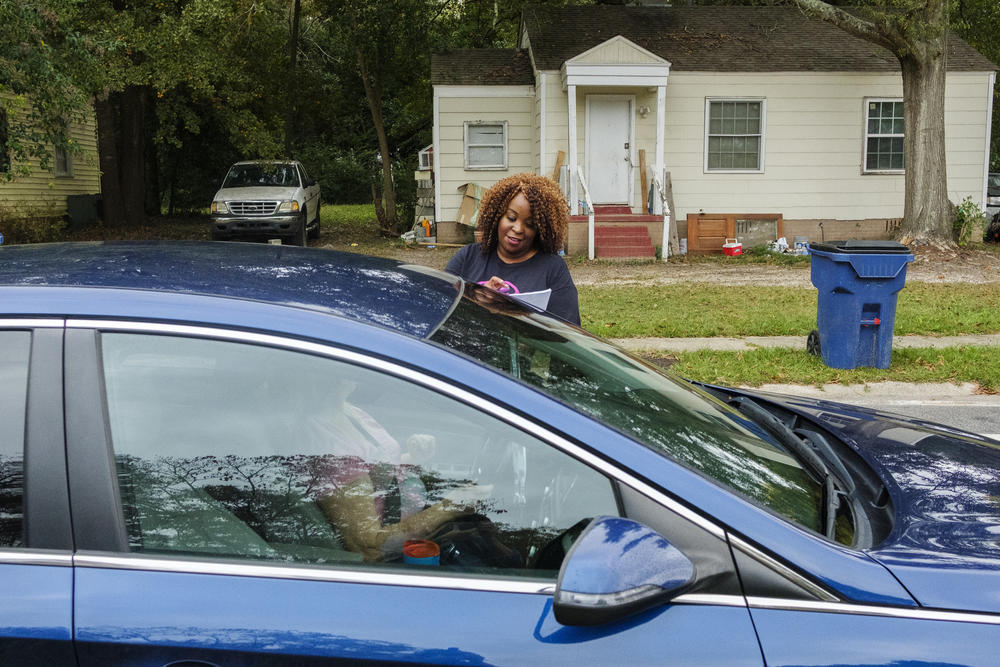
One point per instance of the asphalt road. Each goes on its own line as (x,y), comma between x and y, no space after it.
(956,406)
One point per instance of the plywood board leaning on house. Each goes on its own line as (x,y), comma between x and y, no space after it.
(555,170)
(642,178)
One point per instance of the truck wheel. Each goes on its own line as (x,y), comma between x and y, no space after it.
(298,237)
(314,231)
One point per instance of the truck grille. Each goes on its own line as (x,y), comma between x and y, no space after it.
(252,207)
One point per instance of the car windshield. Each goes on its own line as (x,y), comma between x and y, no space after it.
(994,182)
(258,175)
(649,404)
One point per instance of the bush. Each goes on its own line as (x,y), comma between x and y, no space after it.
(31,225)
(345,177)
(970,220)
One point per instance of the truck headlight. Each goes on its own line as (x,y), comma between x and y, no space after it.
(288,207)
(219,207)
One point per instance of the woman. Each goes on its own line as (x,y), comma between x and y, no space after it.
(377,500)
(523,220)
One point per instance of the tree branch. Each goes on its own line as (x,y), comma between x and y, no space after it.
(851,24)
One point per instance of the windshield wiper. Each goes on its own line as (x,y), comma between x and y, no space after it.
(805,454)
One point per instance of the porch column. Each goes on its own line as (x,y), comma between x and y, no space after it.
(661,118)
(573,197)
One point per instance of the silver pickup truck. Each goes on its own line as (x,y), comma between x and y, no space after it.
(265,200)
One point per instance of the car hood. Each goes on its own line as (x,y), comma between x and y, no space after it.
(267,193)
(945,488)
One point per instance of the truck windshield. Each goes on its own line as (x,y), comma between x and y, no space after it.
(262,175)
(649,404)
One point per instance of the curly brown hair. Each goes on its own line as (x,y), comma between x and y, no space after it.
(549,210)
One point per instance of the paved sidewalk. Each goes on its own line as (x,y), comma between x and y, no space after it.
(753,342)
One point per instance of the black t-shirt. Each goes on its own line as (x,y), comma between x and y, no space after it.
(541,271)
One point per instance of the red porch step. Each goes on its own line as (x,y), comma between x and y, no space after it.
(621,241)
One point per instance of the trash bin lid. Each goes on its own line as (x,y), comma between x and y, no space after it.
(860,246)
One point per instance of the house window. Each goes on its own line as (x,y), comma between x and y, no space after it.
(884,135)
(486,145)
(734,135)
(63,160)
(4,148)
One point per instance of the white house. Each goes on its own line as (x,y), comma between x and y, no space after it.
(759,121)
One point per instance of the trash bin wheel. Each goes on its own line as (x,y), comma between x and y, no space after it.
(812,343)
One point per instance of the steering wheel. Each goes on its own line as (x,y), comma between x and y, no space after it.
(550,556)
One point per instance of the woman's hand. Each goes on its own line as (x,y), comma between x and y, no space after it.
(497,283)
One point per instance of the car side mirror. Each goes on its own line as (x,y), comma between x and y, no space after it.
(616,568)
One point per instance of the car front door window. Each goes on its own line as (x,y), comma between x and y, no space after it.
(243,451)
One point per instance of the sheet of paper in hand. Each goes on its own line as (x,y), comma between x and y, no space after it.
(539,299)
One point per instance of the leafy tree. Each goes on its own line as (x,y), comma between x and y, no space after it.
(46,69)
(916,32)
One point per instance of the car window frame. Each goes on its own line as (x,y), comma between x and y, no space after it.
(100,534)
(47,533)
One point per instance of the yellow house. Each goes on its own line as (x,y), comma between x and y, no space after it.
(44,192)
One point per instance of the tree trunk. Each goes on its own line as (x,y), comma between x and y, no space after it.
(151,159)
(293,89)
(133,155)
(927,212)
(113,206)
(385,205)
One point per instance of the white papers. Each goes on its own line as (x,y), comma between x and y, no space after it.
(539,299)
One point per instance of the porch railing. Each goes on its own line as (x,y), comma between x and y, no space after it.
(590,213)
(665,208)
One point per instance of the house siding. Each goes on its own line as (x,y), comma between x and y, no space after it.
(807,115)
(44,192)
(617,52)
(810,115)
(520,112)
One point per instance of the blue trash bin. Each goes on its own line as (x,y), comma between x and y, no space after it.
(858,282)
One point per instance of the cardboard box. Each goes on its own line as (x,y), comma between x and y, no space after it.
(732,247)
(468,212)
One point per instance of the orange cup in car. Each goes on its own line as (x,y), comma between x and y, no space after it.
(421,552)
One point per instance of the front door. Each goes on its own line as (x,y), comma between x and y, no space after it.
(609,148)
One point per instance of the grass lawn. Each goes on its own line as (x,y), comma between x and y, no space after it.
(702,310)
(979,365)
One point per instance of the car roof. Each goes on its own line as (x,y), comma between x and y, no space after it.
(407,298)
(265,162)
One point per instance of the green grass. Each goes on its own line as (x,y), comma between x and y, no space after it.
(979,365)
(704,310)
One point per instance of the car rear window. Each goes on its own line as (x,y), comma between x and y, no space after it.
(15,347)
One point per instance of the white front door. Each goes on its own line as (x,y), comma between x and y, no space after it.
(609,148)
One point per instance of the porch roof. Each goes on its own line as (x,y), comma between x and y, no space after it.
(717,38)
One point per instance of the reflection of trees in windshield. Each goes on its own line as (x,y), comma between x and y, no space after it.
(662,412)
(11,494)
(266,175)
(263,507)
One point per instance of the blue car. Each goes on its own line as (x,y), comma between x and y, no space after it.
(226,454)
